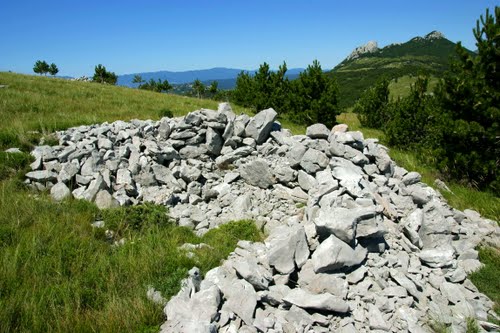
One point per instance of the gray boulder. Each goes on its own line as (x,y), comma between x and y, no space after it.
(60,192)
(42,176)
(260,125)
(287,248)
(313,161)
(257,173)
(318,131)
(342,222)
(321,302)
(213,141)
(334,254)
(295,154)
(105,200)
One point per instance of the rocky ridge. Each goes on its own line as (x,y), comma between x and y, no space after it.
(369,47)
(356,243)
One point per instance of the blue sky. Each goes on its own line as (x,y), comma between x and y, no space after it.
(140,36)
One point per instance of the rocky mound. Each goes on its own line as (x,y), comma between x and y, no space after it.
(355,243)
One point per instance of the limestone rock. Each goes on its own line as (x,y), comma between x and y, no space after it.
(321,302)
(257,173)
(60,192)
(334,254)
(260,125)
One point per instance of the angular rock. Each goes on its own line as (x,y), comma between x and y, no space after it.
(260,125)
(60,192)
(342,222)
(295,154)
(257,173)
(306,181)
(334,254)
(42,176)
(321,302)
(318,131)
(440,257)
(214,142)
(313,161)
(287,248)
(105,200)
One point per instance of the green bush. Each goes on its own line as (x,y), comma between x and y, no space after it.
(124,220)
(408,118)
(469,111)
(372,106)
(166,113)
(310,99)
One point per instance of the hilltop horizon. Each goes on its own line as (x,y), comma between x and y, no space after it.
(181,36)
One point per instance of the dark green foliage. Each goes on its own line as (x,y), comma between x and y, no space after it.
(265,89)
(429,57)
(310,99)
(244,92)
(372,106)
(198,88)
(408,119)
(469,102)
(137,79)
(157,86)
(213,89)
(166,113)
(135,218)
(458,129)
(315,97)
(53,70)
(101,75)
(41,67)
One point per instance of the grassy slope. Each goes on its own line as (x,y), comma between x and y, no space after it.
(59,274)
(417,56)
(46,280)
(43,104)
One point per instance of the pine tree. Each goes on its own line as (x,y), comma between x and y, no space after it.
(53,70)
(244,91)
(137,79)
(101,75)
(198,88)
(316,97)
(469,110)
(372,105)
(41,67)
(213,88)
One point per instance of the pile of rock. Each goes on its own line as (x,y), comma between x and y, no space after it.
(355,243)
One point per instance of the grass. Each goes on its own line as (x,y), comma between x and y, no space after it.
(58,273)
(486,279)
(400,87)
(33,106)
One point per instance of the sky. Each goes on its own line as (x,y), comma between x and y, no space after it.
(146,36)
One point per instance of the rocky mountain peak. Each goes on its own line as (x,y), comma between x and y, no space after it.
(369,47)
(434,35)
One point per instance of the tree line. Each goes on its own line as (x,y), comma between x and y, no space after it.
(311,98)
(456,128)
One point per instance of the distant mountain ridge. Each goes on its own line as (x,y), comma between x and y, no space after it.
(226,77)
(367,64)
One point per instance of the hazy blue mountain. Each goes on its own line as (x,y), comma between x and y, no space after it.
(226,77)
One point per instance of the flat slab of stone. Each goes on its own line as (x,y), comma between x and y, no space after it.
(321,302)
